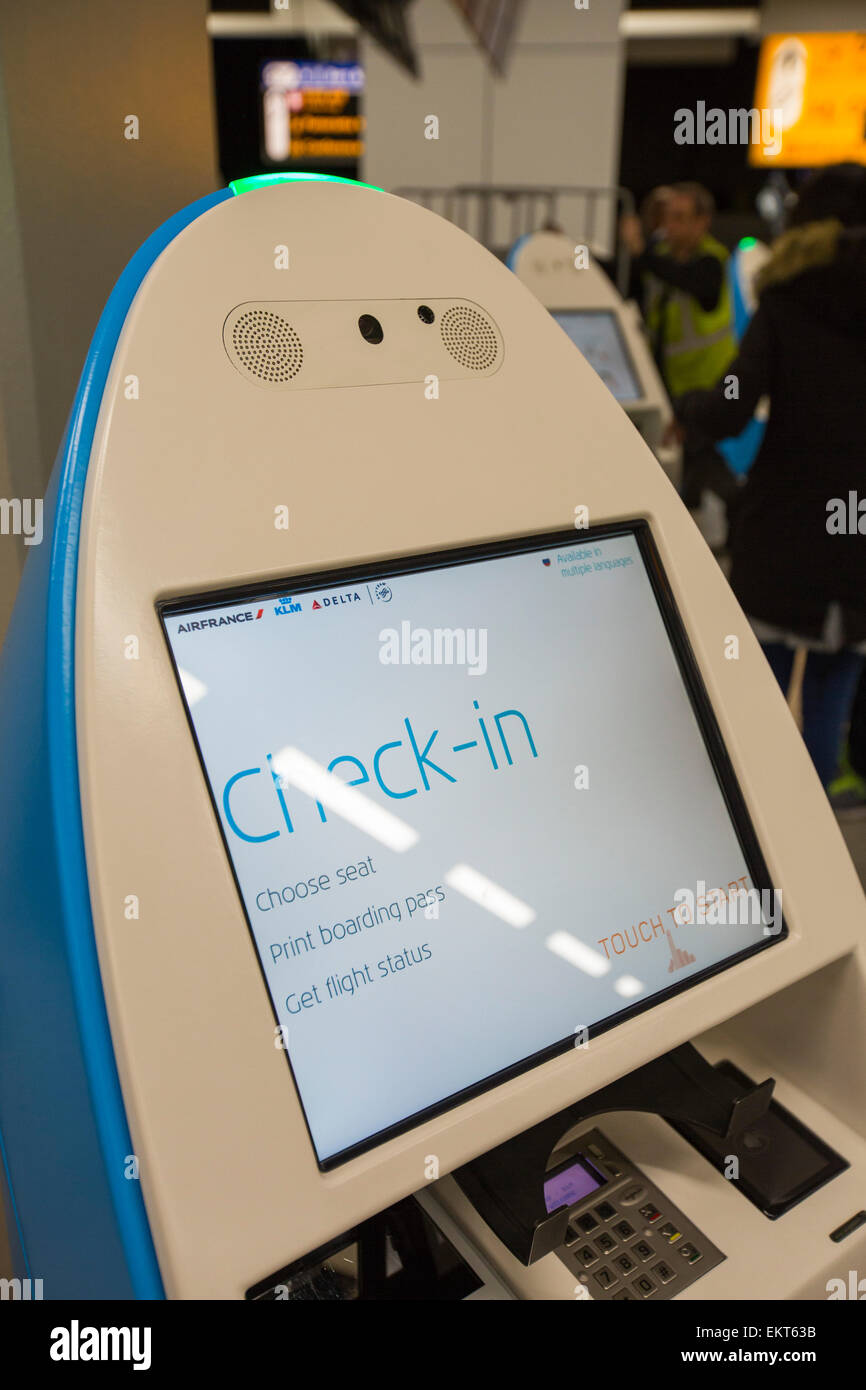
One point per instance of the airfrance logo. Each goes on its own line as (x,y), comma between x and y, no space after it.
(76,1343)
(202,624)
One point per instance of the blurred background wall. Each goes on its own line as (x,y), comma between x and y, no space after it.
(553,117)
(77,198)
(582,100)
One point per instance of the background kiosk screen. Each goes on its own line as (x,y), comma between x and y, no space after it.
(598,336)
(475,803)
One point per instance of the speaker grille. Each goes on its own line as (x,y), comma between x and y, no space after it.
(470,337)
(266,346)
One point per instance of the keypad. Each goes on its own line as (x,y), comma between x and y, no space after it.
(652,1259)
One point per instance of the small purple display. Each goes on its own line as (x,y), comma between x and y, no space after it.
(569,1186)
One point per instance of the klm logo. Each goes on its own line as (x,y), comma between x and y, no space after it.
(287,605)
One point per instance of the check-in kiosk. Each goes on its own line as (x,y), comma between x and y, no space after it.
(606,329)
(746,261)
(405,890)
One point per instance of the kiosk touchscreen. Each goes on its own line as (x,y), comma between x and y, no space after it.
(607,330)
(440,771)
(403,832)
(598,336)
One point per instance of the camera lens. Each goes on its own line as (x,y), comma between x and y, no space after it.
(371,329)
(425,313)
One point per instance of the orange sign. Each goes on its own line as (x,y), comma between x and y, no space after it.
(815,86)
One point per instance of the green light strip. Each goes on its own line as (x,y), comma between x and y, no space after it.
(262,180)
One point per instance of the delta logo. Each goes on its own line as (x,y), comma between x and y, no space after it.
(227,620)
(334,600)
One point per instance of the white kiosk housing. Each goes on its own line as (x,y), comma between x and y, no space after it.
(411,815)
(607,330)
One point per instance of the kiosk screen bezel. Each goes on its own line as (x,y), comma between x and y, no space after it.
(690,674)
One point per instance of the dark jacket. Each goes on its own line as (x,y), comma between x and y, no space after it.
(806,349)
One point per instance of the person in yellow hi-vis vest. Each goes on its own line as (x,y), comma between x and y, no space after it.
(689,315)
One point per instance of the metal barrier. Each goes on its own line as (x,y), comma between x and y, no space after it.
(482,209)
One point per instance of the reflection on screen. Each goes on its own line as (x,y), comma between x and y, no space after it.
(462,806)
(597,334)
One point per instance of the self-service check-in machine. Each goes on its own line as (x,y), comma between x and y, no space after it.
(605,328)
(402,888)
(746,261)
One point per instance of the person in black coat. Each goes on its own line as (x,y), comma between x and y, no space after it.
(798,529)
